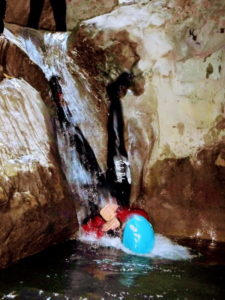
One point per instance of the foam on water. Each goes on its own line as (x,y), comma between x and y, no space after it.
(164,247)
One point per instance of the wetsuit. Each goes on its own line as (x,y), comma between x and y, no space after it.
(118,180)
(118,168)
(94,225)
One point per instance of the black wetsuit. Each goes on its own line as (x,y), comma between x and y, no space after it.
(2,14)
(118,171)
(59,11)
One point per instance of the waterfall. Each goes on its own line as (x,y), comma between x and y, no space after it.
(49,52)
(86,179)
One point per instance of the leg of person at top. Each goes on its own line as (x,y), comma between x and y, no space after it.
(59,11)
(36,7)
(2,14)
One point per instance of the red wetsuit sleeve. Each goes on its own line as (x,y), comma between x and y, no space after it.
(124,213)
(94,226)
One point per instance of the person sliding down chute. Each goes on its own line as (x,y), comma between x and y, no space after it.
(111,219)
(131,224)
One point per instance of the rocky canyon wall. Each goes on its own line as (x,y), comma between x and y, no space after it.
(174,113)
(36,206)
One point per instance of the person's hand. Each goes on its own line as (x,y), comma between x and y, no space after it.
(109,212)
(111,225)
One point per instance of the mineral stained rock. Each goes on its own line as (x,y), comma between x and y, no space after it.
(174,114)
(36,207)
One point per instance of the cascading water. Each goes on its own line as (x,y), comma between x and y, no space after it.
(80,152)
(80,166)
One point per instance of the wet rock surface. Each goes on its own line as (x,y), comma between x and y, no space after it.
(187,195)
(36,207)
(16,64)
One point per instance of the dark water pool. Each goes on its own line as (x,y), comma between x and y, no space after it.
(79,271)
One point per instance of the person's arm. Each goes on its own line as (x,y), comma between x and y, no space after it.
(111,225)
(108,213)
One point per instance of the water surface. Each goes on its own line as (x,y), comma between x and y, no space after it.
(81,270)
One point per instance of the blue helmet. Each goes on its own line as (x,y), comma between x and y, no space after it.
(138,235)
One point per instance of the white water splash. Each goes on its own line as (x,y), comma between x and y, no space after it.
(164,248)
(11,295)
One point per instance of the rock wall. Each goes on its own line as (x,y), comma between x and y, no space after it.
(15,63)
(174,114)
(36,207)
